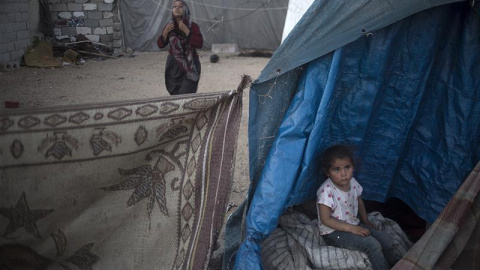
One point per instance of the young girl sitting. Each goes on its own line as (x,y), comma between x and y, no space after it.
(343,220)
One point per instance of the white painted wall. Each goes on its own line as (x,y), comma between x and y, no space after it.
(296,9)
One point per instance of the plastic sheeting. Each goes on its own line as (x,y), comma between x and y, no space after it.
(406,95)
(254,24)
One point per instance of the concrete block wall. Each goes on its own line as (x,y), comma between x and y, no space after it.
(96,19)
(14,33)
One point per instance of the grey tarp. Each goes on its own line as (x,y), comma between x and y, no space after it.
(250,24)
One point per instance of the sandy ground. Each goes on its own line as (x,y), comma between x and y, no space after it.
(132,78)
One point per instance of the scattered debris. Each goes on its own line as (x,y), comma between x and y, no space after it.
(256,53)
(71,56)
(82,45)
(40,55)
(87,41)
(64,52)
(10,66)
(214,58)
(12,104)
(101,55)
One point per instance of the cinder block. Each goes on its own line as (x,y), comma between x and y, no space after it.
(94,15)
(62,37)
(91,23)
(117,35)
(225,48)
(79,14)
(21,45)
(116,19)
(117,43)
(118,51)
(117,27)
(22,26)
(105,7)
(100,31)
(11,46)
(65,15)
(10,8)
(4,48)
(15,64)
(106,38)
(16,7)
(7,66)
(25,16)
(106,22)
(108,1)
(59,7)
(26,43)
(12,17)
(4,58)
(110,30)
(17,54)
(81,1)
(90,6)
(95,38)
(70,31)
(3,18)
(24,34)
(84,30)
(74,7)
(18,26)
(22,7)
(57,31)
(13,27)
(12,36)
(18,17)
(4,28)
(54,16)
(107,14)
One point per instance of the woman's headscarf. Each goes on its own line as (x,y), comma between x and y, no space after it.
(181,49)
(186,14)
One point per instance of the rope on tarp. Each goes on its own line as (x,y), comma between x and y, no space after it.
(244,83)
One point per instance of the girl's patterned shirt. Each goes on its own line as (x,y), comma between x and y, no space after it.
(344,205)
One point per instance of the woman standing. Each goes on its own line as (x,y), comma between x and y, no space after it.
(182,70)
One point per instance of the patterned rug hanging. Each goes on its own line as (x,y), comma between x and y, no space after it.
(128,185)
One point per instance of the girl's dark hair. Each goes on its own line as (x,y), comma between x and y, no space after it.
(337,151)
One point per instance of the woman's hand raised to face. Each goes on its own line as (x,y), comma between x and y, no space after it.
(167,30)
(183,27)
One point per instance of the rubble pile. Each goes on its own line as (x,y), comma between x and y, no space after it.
(84,49)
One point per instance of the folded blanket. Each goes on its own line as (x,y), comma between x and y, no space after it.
(297,244)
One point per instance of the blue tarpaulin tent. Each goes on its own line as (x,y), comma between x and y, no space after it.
(397,80)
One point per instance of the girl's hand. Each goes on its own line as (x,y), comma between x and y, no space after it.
(183,28)
(359,230)
(167,30)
